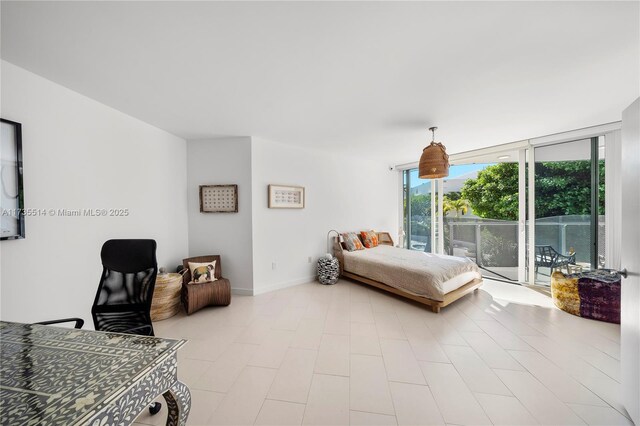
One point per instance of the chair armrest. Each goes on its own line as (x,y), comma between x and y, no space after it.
(563,257)
(79,322)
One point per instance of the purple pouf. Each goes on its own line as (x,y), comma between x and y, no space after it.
(600,295)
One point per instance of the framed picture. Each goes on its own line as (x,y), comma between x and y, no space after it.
(286,197)
(219,198)
(11,186)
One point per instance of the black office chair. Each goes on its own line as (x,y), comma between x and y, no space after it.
(123,299)
(125,291)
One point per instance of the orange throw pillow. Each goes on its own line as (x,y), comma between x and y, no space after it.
(370,239)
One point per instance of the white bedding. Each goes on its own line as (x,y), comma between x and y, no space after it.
(459,280)
(423,274)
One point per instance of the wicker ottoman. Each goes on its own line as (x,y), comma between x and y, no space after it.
(592,294)
(328,270)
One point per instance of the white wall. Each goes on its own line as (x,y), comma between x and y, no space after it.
(80,154)
(222,161)
(342,193)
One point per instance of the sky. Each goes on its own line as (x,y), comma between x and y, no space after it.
(454,171)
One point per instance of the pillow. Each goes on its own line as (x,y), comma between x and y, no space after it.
(202,272)
(352,241)
(369,238)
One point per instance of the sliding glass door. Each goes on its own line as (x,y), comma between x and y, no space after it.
(482,210)
(569,207)
(472,213)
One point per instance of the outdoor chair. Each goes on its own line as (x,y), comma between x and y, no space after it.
(548,257)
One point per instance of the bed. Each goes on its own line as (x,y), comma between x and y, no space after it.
(431,279)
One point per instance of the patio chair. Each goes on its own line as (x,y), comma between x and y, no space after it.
(548,257)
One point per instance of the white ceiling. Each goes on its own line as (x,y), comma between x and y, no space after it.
(359,78)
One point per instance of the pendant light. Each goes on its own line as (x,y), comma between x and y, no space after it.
(434,162)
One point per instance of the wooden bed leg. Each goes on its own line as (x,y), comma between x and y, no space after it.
(435,309)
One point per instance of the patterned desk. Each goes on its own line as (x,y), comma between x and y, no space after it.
(61,376)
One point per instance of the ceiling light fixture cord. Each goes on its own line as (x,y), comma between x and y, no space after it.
(433,134)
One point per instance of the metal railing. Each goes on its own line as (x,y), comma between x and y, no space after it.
(494,243)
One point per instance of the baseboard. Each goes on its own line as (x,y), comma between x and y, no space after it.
(285,284)
(242,291)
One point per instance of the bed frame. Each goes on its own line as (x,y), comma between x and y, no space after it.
(384,238)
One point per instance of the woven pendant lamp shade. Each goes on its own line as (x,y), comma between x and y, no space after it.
(434,161)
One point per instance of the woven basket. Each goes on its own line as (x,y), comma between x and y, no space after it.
(166,296)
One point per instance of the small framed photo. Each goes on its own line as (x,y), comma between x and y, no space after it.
(218,198)
(11,185)
(286,197)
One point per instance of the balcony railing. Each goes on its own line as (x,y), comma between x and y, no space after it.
(493,244)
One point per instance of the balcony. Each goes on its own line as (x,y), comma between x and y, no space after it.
(493,244)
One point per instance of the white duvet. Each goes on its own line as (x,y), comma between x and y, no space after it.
(419,273)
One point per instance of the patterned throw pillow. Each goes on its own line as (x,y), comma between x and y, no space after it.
(202,272)
(352,241)
(370,239)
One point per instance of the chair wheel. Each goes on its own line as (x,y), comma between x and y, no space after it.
(155,408)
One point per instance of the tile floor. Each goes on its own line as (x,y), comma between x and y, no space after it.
(350,354)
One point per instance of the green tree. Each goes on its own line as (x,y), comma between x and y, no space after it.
(494,193)
(454,204)
(420,214)
(460,206)
(447,205)
(453,195)
(420,204)
(562,188)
